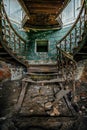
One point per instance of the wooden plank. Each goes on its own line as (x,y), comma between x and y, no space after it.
(48,11)
(44,5)
(61,94)
(43,81)
(42,69)
(68,103)
(43,1)
(21,97)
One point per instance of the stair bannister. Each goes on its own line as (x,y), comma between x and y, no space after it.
(76,32)
(14,44)
(67,48)
(67,66)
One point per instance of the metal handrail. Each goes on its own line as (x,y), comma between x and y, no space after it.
(73,24)
(66,63)
(12,42)
(11,24)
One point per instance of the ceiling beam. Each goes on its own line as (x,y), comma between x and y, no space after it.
(43,7)
(43,1)
(39,11)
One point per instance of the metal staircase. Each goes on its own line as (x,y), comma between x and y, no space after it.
(13,46)
(70,45)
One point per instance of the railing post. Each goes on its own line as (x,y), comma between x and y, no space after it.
(80,27)
(14,48)
(85,14)
(25,50)
(70,48)
(65,45)
(75,36)
(57,59)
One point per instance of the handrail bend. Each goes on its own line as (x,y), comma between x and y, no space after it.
(65,48)
(13,43)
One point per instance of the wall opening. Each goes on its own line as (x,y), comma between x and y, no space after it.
(41,45)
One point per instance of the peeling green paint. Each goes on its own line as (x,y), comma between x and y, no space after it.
(53,36)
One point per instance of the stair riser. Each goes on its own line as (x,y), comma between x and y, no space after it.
(42,68)
(41,77)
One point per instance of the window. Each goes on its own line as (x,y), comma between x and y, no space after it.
(14,10)
(41,45)
(71,12)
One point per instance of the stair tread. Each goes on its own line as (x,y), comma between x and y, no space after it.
(41,74)
(42,68)
(43,81)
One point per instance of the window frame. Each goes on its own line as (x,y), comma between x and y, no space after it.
(36,46)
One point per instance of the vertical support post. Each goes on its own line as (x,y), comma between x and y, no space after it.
(9,31)
(70,43)
(22,96)
(80,27)
(57,60)
(14,42)
(65,45)
(76,36)
(85,15)
(19,46)
(26,49)
(74,84)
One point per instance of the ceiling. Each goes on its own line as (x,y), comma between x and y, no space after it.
(43,14)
